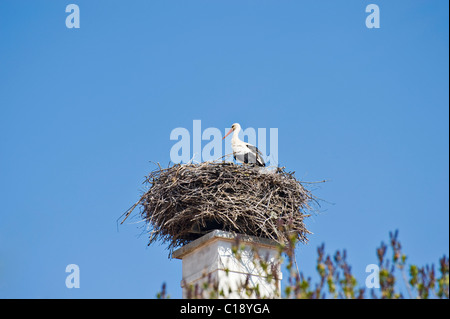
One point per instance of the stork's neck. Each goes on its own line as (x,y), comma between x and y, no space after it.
(235,139)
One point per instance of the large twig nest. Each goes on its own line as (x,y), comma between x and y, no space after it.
(183,202)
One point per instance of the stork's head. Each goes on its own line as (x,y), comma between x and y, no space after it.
(234,127)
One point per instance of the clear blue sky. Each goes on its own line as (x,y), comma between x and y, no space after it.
(83,111)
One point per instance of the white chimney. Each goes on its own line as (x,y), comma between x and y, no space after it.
(211,259)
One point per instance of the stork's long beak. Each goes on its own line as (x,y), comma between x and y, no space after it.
(229,132)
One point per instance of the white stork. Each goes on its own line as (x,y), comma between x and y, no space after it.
(244,152)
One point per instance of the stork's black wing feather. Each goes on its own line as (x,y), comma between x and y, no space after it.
(259,160)
(254,149)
